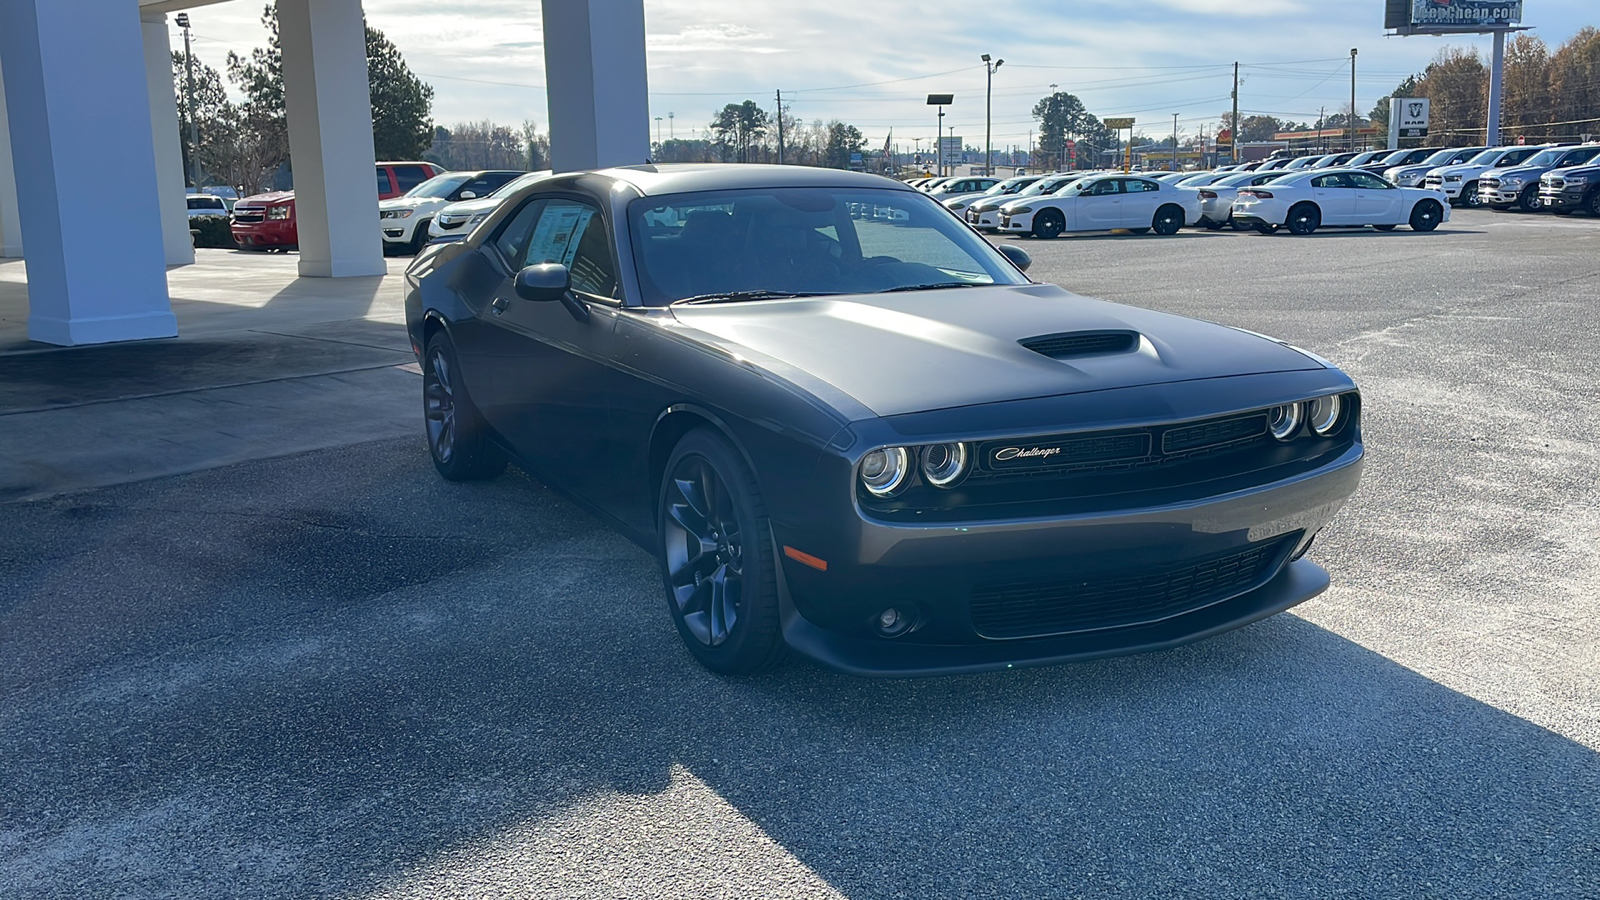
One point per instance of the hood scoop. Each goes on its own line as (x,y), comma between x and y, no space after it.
(1075,344)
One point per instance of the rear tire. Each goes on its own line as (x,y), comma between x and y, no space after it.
(1048,224)
(716,558)
(458,440)
(1304,218)
(1426,216)
(1168,220)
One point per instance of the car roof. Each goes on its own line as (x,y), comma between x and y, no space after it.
(685,177)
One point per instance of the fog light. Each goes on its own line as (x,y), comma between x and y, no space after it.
(893,622)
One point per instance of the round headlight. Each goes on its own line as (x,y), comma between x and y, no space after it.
(1285,421)
(885,471)
(1323,413)
(944,464)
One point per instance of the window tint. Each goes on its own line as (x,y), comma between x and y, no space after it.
(1100,188)
(406,178)
(1336,180)
(513,236)
(572,233)
(1369,182)
(1137,186)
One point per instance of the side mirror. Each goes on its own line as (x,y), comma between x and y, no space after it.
(543,283)
(467,195)
(1018,256)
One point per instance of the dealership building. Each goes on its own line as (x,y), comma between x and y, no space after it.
(88,121)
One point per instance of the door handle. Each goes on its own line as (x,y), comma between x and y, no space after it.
(498,305)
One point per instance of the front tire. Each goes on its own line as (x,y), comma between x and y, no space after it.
(419,237)
(1469,196)
(1529,200)
(1426,216)
(1304,219)
(1592,203)
(458,440)
(1167,221)
(716,558)
(1049,224)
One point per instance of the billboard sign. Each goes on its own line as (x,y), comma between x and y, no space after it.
(1118,124)
(950,149)
(1413,112)
(1413,16)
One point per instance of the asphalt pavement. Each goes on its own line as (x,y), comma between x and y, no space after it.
(332,674)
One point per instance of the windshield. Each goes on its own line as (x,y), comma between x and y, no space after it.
(1235,180)
(1440,158)
(805,241)
(1362,159)
(439,185)
(518,183)
(1013,186)
(1546,158)
(1486,158)
(1395,157)
(1200,180)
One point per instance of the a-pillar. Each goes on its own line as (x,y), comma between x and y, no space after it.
(73,88)
(169,153)
(10,222)
(329,106)
(594,63)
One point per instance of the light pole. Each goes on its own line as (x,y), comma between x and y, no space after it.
(671,135)
(1174,142)
(1353,99)
(1051,107)
(988,106)
(658,134)
(188,78)
(941,101)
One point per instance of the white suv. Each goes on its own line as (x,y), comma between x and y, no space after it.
(405,219)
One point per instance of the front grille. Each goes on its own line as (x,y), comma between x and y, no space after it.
(1556,184)
(1035,609)
(248,215)
(1492,184)
(1062,455)
(1081,343)
(1214,433)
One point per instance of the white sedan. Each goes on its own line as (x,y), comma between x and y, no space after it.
(1305,201)
(1216,198)
(1104,203)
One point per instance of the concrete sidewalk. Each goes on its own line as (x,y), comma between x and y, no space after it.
(266,364)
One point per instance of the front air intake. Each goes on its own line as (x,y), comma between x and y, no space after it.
(1073,344)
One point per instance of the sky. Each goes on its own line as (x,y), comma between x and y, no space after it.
(872,63)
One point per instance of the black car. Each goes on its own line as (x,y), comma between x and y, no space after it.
(874,440)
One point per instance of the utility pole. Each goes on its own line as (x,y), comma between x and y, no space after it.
(1174,142)
(1235,142)
(780,127)
(1322,117)
(1496,77)
(188,78)
(671,134)
(988,106)
(658,135)
(1352,99)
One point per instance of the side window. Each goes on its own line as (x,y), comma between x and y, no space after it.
(572,233)
(1336,180)
(383,181)
(1141,186)
(1100,188)
(1369,182)
(513,236)
(408,177)
(492,182)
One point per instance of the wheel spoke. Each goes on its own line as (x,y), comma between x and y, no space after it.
(724,604)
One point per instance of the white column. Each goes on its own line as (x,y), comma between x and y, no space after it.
(169,153)
(594,63)
(10,221)
(330,137)
(1497,67)
(78,105)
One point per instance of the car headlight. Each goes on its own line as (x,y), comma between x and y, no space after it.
(476,219)
(1452,178)
(885,471)
(1510,180)
(1020,210)
(1325,414)
(397,213)
(277,212)
(1577,179)
(943,465)
(956,206)
(1284,421)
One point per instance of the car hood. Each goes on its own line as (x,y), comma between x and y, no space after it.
(917,351)
(1569,171)
(1462,169)
(266,199)
(1524,171)
(471,207)
(411,203)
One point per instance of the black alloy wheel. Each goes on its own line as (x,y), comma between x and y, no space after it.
(1592,202)
(1266,228)
(1529,200)
(1168,220)
(1049,223)
(1426,216)
(1304,218)
(457,438)
(717,558)
(1469,196)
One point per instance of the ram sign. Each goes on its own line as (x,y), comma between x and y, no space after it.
(1423,16)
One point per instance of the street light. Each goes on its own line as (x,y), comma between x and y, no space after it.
(988,106)
(188,77)
(1174,142)
(658,134)
(941,101)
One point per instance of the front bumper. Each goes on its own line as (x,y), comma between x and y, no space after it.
(1100,584)
(1565,198)
(988,220)
(1498,195)
(1022,224)
(1451,189)
(272,233)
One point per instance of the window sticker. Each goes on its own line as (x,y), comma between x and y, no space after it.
(555,239)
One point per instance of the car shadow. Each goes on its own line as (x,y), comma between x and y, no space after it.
(353,677)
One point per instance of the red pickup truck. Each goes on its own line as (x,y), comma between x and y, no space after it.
(266,221)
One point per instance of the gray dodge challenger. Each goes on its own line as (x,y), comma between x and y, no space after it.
(850,427)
